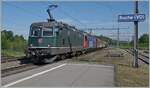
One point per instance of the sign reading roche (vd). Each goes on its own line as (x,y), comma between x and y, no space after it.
(131,17)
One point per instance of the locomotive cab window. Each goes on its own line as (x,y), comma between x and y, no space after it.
(56,31)
(35,32)
(85,38)
(47,32)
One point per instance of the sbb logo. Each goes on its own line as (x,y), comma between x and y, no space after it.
(40,40)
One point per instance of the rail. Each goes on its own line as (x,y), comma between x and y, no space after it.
(141,57)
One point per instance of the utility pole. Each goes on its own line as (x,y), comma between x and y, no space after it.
(128,41)
(135,61)
(107,29)
(118,38)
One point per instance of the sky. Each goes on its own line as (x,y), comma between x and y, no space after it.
(17,16)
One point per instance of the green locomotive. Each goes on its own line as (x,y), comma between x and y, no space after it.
(48,39)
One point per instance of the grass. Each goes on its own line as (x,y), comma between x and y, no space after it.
(129,77)
(141,46)
(125,74)
(11,53)
(125,46)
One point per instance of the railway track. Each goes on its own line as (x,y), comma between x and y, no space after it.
(10,59)
(144,55)
(21,68)
(22,65)
(141,57)
(17,69)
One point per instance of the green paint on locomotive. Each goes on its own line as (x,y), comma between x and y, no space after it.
(34,41)
(66,35)
(60,37)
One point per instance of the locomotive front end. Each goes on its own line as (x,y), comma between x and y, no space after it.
(41,39)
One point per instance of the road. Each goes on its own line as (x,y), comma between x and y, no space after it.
(63,74)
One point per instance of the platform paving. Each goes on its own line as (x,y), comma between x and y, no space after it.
(68,75)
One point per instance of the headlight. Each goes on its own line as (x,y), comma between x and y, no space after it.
(32,53)
(48,45)
(30,45)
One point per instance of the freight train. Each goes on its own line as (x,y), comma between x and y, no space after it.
(56,40)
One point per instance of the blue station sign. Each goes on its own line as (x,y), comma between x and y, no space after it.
(131,17)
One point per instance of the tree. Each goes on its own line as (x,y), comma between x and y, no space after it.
(107,39)
(6,38)
(144,38)
(12,42)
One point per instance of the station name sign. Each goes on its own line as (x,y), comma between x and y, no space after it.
(131,17)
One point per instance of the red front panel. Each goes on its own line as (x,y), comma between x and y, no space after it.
(85,42)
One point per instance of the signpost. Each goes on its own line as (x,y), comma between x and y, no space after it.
(131,18)
(134,18)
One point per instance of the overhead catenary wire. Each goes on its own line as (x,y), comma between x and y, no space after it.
(4,27)
(75,19)
(28,11)
(21,9)
(70,16)
(25,10)
(38,16)
(94,28)
(64,12)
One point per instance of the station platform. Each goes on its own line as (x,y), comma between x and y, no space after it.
(63,75)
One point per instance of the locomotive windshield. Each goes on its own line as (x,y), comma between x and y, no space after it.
(35,31)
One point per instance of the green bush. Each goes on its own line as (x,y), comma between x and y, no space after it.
(12,45)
